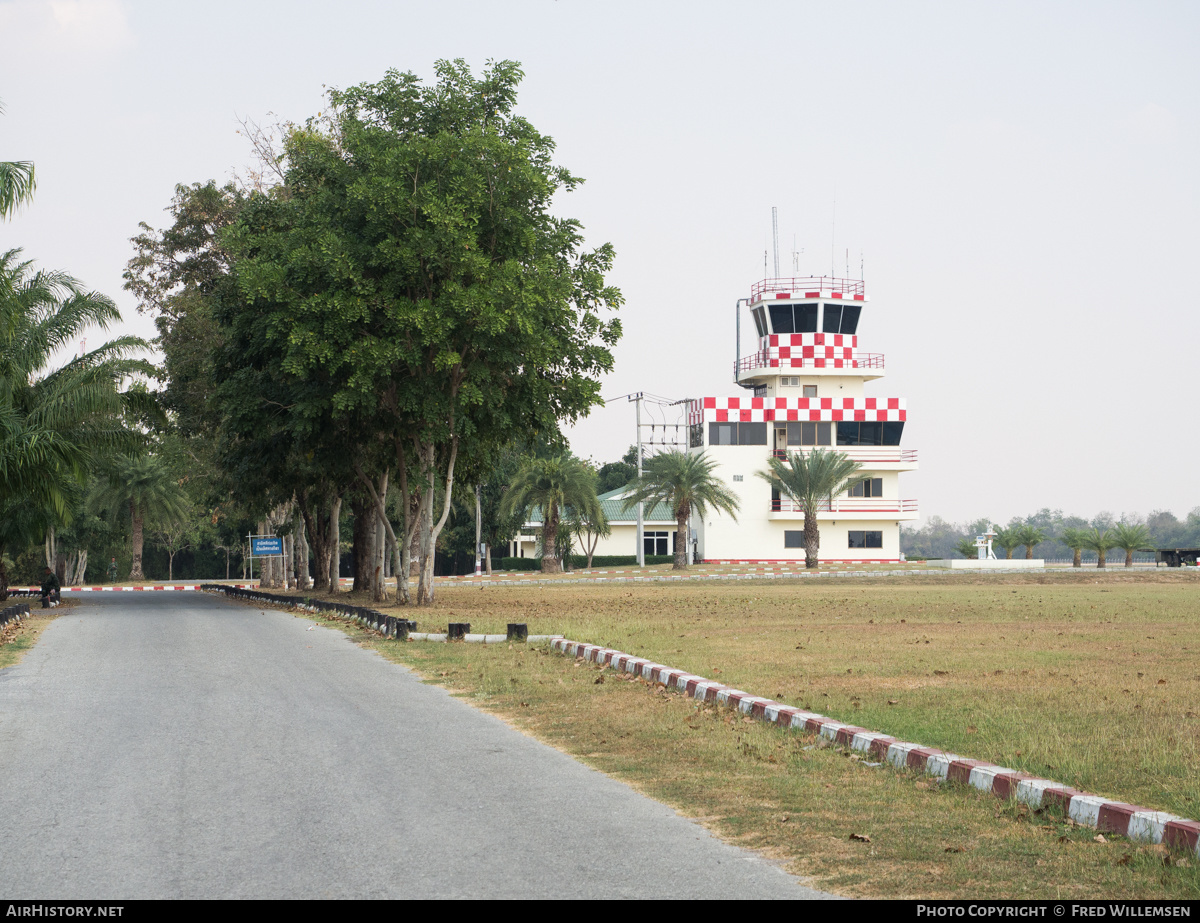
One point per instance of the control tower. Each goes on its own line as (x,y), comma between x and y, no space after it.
(805,388)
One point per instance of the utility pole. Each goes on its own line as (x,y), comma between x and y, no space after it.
(641,545)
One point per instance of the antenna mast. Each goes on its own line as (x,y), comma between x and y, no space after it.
(775,236)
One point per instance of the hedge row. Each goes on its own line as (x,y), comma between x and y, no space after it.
(578,562)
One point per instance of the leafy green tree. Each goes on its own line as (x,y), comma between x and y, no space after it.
(810,481)
(967,548)
(684,482)
(409,274)
(555,486)
(1075,539)
(615,475)
(1030,536)
(144,487)
(1100,542)
(1130,538)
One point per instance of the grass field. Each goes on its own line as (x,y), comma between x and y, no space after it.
(1089,679)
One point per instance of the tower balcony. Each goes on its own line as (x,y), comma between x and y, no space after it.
(769,362)
(848,508)
(871,457)
(809,287)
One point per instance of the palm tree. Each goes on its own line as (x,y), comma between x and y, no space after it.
(1075,539)
(810,481)
(143,485)
(1008,539)
(1099,542)
(1130,539)
(555,486)
(967,548)
(684,482)
(1030,536)
(17,183)
(56,423)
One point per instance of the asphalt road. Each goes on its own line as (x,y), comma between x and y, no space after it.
(181,746)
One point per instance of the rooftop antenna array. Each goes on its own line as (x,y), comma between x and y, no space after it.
(795,257)
(833,238)
(775,236)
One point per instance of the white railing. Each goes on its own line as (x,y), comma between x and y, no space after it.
(849,505)
(860,453)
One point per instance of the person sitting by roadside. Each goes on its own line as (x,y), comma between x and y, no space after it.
(51,589)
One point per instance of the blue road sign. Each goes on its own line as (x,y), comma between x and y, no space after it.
(266,547)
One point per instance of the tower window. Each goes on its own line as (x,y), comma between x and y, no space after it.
(810,390)
(867,487)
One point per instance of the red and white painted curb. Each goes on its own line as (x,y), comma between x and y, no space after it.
(1090,810)
(139,589)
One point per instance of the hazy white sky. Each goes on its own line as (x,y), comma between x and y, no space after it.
(1019,179)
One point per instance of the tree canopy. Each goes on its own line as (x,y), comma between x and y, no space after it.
(399,308)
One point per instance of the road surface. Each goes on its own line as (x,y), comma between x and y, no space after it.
(177,745)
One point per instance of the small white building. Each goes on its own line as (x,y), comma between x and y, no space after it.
(658,530)
(806,389)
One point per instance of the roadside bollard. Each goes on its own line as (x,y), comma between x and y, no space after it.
(458,631)
(518,631)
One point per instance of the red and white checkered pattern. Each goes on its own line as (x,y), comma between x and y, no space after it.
(836,341)
(1091,810)
(765,409)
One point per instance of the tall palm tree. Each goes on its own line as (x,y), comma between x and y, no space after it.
(1130,539)
(17,183)
(1030,537)
(55,423)
(810,481)
(553,485)
(684,482)
(1099,542)
(144,486)
(1076,540)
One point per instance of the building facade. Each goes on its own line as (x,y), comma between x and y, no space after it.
(804,388)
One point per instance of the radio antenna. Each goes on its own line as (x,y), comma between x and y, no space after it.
(775,236)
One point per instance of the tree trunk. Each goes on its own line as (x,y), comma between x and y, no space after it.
(362,551)
(335,546)
(681,540)
(812,539)
(135,572)
(1129,557)
(478,525)
(1008,554)
(301,545)
(1028,552)
(170,565)
(3,577)
(1078,559)
(1100,557)
(317,526)
(550,562)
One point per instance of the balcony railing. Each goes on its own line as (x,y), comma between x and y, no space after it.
(848,505)
(810,287)
(760,360)
(860,453)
